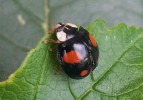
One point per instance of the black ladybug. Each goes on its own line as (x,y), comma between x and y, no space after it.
(77,50)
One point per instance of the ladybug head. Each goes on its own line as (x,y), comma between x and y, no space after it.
(65,31)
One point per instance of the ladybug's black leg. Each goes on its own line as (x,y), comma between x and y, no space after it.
(92,61)
(91,55)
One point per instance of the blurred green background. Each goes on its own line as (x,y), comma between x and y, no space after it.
(21,22)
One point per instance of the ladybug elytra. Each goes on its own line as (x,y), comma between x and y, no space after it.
(77,50)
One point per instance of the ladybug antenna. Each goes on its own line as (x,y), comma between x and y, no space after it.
(60,23)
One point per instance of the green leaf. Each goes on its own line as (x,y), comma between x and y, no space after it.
(16,38)
(119,75)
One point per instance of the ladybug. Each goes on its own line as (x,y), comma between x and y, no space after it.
(77,50)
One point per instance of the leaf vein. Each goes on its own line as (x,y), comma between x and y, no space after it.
(71,90)
(108,70)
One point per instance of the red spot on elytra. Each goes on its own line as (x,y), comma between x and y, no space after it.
(72,57)
(92,40)
(84,72)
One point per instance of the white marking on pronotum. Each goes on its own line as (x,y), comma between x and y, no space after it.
(72,25)
(21,20)
(61,36)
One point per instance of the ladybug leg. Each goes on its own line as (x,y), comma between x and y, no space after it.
(54,27)
(92,62)
(52,30)
(58,70)
(91,53)
(53,49)
(51,41)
